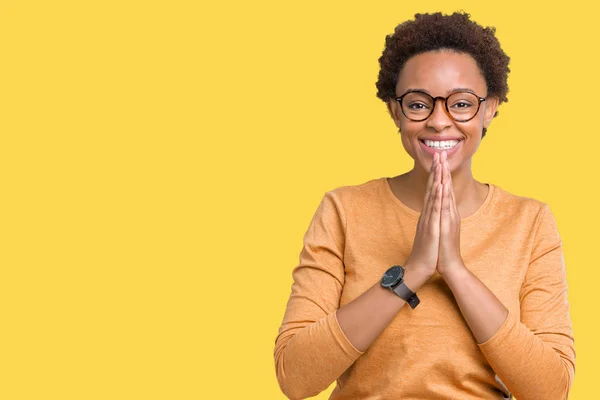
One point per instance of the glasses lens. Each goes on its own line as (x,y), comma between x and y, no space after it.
(417,105)
(463,105)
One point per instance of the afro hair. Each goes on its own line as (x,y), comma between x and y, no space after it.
(457,32)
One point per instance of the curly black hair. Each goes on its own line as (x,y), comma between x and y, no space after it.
(457,32)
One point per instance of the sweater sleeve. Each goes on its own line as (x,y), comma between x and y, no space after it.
(311,350)
(535,357)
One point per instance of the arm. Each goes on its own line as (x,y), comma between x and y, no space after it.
(534,357)
(317,340)
(367,316)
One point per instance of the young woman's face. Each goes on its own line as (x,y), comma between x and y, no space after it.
(439,73)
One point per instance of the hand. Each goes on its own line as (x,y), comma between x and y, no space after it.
(449,257)
(424,254)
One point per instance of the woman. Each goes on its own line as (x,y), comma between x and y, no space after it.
(481,269)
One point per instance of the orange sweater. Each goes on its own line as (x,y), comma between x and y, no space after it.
(511,243)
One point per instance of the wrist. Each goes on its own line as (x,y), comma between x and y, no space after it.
(414,278)
(455,273)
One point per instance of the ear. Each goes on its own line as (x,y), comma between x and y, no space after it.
(491,104)
(394,110)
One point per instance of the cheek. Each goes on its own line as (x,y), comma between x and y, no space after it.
(408,131)
(474,127)
(473,133)
(408,147)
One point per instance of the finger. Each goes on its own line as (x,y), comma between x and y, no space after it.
(434,163)
(443,162)
(430,191)
(447,199)
(447,174)
(434,218)
(434,186)
(446,214)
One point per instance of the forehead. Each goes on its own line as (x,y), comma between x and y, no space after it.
(439,72)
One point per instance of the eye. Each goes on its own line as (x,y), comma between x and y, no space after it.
(417,106)
(461,104)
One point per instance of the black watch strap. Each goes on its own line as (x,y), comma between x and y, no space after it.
(406,294)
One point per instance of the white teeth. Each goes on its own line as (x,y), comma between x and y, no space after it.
(443,144)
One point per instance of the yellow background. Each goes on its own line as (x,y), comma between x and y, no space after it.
(160,163)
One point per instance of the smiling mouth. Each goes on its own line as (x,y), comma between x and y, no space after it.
(440,145)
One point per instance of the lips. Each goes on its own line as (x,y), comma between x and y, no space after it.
(432,151)
(439,138)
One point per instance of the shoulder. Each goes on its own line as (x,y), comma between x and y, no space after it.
(357,194)
(518,207)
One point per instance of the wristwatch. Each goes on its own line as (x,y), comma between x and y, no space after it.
(393,279)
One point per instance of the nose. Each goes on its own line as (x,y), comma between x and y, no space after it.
(439,119)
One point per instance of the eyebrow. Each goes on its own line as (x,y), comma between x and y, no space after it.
(447,93)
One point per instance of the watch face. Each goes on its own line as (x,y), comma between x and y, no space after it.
(392,276)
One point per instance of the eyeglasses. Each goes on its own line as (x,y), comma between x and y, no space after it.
(460,106)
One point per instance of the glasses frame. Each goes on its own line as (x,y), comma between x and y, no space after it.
(445,100)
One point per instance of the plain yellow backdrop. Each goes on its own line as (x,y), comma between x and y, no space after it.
(161,160)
